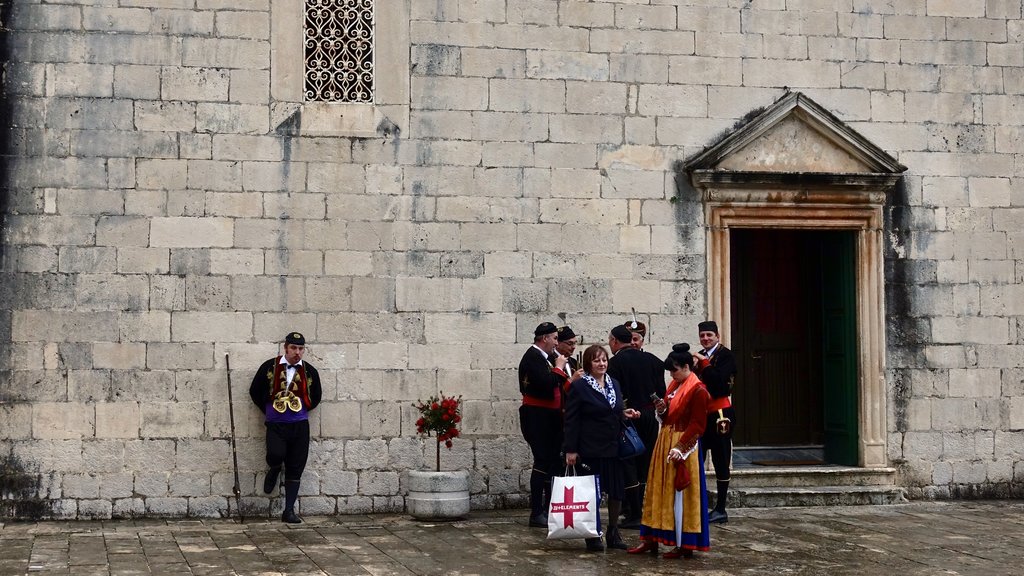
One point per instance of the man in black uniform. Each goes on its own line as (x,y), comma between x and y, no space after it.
(286,389)
(631,369)
(567,347)
(648,426)
(540,417)
(716,368)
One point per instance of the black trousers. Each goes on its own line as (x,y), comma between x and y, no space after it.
(542,430)
(288,444)
(647,427)
(720,445)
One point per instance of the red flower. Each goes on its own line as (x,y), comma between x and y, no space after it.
(439,417)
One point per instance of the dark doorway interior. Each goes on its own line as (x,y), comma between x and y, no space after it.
(793,310)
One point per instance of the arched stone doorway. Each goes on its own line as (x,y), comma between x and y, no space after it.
(795,167)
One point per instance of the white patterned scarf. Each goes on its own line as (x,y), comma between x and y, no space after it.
(608,391)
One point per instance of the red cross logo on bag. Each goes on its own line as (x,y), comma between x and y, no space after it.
(568,507)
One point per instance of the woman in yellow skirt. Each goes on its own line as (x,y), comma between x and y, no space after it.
(676,509)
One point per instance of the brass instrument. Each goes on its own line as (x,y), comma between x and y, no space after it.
(286,399)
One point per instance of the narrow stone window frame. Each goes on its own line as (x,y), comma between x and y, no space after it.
(389,112)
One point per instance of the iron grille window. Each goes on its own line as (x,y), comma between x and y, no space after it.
(338,37)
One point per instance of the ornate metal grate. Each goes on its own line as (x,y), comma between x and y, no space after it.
(338,36)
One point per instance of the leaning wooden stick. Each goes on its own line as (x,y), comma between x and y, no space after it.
(234,452)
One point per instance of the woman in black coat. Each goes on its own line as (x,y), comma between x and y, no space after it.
(594,418)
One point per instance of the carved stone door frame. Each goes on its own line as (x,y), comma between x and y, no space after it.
(722,215)
(796,166)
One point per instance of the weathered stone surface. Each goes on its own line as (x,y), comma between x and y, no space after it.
(171,197)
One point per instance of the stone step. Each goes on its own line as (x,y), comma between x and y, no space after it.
(826,485)
(815,496)
(808,476)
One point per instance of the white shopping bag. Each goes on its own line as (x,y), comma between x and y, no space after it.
(574,511)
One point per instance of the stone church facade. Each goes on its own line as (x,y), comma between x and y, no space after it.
(837,182)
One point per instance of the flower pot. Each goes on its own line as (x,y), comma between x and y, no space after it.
(438,495)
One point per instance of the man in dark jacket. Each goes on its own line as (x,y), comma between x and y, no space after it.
(286,389)
(716,368)
(648,425)
(632,370)
(541,382)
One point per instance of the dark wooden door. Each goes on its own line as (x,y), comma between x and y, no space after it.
(776,298)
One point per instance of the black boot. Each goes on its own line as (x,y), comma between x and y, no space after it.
(594,545)
(538,509)
(291,495)
(612,536)
(270,480)
(614,539)
(719,515)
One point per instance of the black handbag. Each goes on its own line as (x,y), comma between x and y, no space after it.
(630,444)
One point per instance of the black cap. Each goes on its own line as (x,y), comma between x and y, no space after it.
(544,328)
(622,334)
(295,338)
(565,333)
(708,326)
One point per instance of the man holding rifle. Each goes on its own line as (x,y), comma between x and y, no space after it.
(286,389)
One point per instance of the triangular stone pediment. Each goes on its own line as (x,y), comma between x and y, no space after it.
(795,135)
(792,145)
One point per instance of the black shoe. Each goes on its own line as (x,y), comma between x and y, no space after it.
(539,521)
(270,480)
(630,524)
(614,539)
(716,517)
(290,517)
(595,545)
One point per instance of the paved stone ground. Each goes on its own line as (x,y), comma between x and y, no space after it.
(983,538)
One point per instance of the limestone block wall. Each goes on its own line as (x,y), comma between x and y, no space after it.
(165,202)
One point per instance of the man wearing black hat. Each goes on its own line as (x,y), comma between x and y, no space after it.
(716,368)
(286,389)
(567,347)
(647,426)
(635,375)
(540,417)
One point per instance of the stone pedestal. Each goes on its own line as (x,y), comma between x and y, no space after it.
(438,495)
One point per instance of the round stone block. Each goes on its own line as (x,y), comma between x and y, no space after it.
(438,495)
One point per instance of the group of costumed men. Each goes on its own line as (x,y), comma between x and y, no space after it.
(548,367)
(286,389)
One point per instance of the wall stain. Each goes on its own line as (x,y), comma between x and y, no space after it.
(19,491)
(906,336)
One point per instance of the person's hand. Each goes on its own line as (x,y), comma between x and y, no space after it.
(571,458)
(578,374)
(631,413)
(660,406)
(560,361)
(675,455)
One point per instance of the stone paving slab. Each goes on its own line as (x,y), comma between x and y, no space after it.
(915,539)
